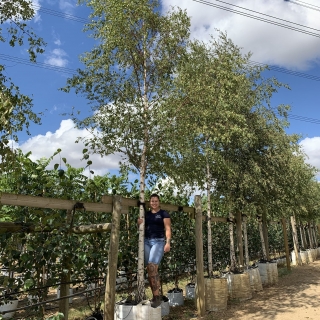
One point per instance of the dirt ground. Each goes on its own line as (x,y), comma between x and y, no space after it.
(295,297)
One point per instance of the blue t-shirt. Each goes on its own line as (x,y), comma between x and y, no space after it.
(154,226)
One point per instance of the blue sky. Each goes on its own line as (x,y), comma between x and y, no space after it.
(60,23)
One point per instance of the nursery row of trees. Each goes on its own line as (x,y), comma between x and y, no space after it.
(40,259)
(198,113)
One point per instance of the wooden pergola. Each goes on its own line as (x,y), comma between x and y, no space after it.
(116,205)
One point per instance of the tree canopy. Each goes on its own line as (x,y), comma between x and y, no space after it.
(16,108)
(128,76)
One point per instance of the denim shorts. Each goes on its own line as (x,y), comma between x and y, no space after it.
(153,250)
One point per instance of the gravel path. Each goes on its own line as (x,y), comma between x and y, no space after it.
(295,297)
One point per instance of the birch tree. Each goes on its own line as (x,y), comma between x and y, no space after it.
(127,77)
(231,128)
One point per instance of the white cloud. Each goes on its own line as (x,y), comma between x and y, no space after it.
(56,38)
(67,6)
(311,147)
(64,138)
(36,7)
(57,42)
(57,58)
(268,43)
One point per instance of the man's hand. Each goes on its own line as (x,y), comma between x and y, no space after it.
(166,247)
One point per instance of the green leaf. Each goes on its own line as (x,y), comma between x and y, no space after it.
(28,283)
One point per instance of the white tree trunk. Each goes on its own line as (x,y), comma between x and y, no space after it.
(210,269)
(232,251)
(263,245)
(310,236)
(140,276)
(245,237)
(303,244)
(295,240)
(143,167)
(315,233)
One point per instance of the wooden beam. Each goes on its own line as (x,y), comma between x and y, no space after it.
(126,202)
(216,219)
(16,227)
(51,203)
(171,207)
(91,228)
(63,204)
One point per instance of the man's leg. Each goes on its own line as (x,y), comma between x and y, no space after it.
(154,281)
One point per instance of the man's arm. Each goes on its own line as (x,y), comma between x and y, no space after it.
(167,226)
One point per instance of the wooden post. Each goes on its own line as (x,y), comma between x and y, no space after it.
(200,299)
(64,291)
(245,237)
(265,233)
(65,279)
(295,240)
(286,244)
(110,291)
(239,237)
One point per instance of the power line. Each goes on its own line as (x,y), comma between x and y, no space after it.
(83,20)
(304,119)
(305,4)
(73,71)
(60,14)
(267,15)
(275,68)
(248,15)
(38,64)
(287,71)
(301,118)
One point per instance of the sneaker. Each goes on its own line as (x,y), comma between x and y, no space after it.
(156,302)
